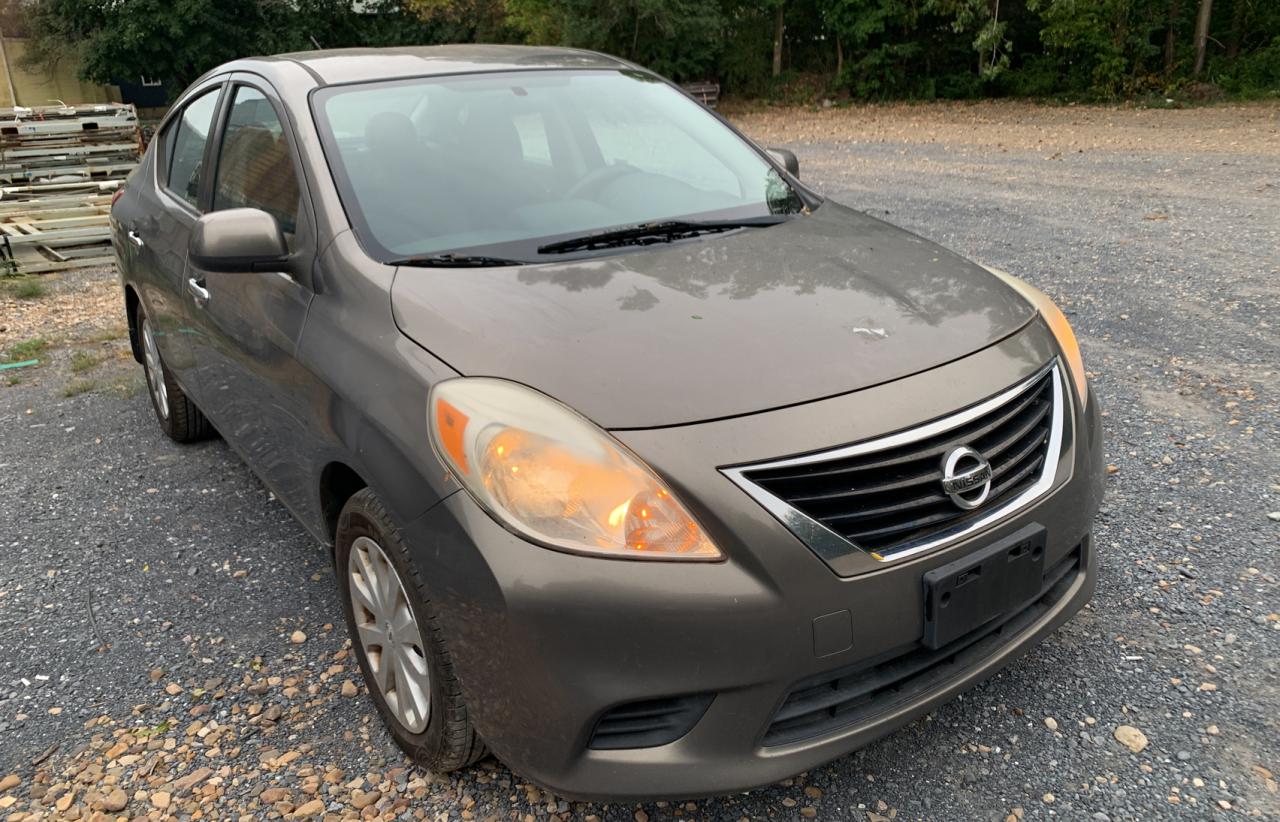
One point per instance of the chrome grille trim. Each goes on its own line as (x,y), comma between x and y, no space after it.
(830,545)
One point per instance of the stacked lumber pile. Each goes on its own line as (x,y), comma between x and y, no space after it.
(707,93)
(58,168)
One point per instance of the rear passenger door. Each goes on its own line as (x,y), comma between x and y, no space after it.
(159,224)
(248,323)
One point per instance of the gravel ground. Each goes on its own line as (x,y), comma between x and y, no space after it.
(169,630)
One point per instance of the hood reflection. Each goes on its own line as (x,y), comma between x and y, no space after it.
(821,305)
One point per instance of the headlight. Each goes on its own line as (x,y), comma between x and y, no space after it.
(1058,324)
(553,476)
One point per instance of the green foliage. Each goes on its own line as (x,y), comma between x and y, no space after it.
(981,19)
(678,38)
(26,349)
(77,387)
(484,21)
(24,288)
(175,40)
(1256,74)
(878,60)
(178,40)
(857,48)
(1039,75)
(82,361)
(30,290)
(745,62)
(1101,45)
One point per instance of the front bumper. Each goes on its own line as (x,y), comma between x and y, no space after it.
(545,643)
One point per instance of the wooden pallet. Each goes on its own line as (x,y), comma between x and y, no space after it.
(54,233)
(706,93)
(58,168)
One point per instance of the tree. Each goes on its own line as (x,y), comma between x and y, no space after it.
(478,20)
(1101,47)
(877,51)
(868,48)
(982,17)
(779,28)
(1202,34)
(1238,13)
(178,40)
(679,38)
(175,41)
(1170,36)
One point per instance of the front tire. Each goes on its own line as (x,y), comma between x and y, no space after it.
(178,416)
(399,641)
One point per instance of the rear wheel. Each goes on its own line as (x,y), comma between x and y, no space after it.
(177,414)
(399,641)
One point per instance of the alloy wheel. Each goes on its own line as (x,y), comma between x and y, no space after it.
(155,370)
(389,634)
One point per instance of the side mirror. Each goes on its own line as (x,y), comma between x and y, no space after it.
(788,160)
(238,239)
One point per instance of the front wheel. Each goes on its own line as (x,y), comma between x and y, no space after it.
(398,640)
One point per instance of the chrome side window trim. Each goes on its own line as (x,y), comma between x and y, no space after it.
(829,545)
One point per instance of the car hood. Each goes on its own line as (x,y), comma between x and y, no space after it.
(725,325)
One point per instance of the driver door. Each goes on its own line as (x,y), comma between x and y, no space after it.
(248,323)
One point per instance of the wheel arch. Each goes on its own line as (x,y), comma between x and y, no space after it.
(131,303)
(338,483)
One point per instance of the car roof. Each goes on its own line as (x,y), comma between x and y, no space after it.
(353,65)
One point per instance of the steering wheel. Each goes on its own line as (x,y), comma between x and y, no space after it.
(596,178)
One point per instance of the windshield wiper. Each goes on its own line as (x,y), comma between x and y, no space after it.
(456,261)
(665,231)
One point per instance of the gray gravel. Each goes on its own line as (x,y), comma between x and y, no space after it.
(126,553)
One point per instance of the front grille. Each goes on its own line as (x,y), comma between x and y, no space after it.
(649,723)
(854,695)
(886,496)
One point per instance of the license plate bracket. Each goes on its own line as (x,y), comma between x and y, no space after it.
(966,594)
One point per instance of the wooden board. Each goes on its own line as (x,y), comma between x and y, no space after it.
(58,168)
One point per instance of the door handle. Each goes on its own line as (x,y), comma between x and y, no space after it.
(199,293)
(136,238)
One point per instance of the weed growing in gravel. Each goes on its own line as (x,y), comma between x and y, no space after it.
(28,289)
(154,730)
(82,361)
(26,350)
(115,332)
(128,387)
(78,387)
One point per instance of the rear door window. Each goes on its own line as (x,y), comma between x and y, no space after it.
(255,166)
(187,156)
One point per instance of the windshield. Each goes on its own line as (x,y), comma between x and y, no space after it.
(502,164)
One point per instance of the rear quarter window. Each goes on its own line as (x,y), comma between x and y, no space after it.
(186,154)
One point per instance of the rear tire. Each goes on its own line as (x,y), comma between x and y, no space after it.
(178,416)
(391,619)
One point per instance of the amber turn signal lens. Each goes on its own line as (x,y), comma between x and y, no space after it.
(1057,322)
